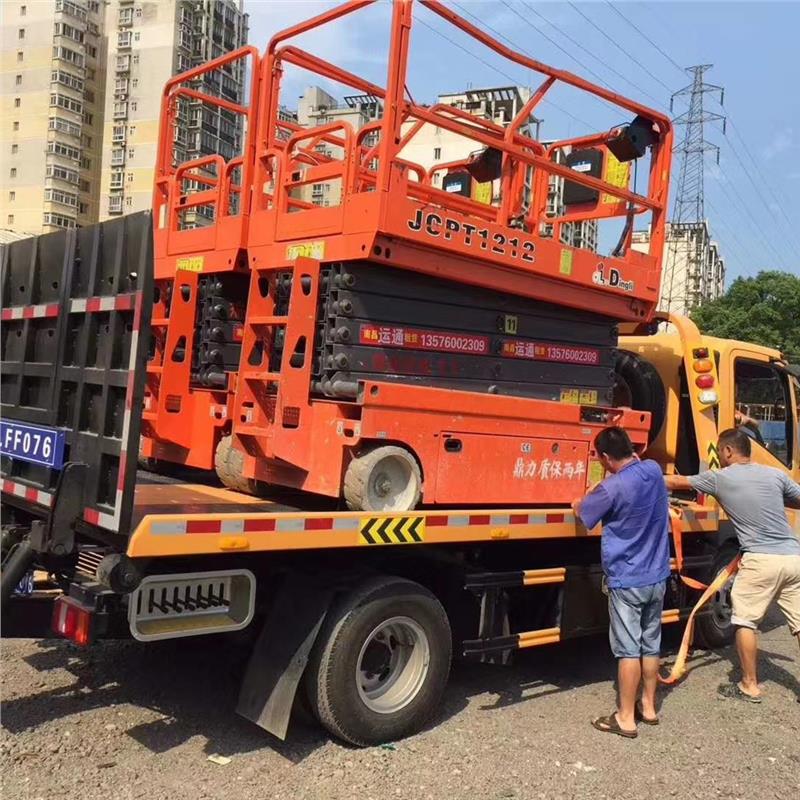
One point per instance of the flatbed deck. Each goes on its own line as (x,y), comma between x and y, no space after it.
(190,518)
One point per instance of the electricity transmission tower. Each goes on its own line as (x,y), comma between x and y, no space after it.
(689,278)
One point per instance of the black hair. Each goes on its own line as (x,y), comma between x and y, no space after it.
(736,439)
(614,442)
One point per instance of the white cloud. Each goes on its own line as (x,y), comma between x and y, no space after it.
(781,141)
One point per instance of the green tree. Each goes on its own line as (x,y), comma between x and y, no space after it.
(764,310)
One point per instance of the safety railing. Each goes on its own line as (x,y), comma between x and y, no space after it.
(524,162)
(215,194)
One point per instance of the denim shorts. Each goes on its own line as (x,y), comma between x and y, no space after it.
(635,616)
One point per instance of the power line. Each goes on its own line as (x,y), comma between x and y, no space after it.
(552,41)
(618,46)
(513,44)
(491,66)
(584,49)
(757,188)
(768,184)
(666,55)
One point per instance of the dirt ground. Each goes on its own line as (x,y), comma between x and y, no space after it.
(130,721)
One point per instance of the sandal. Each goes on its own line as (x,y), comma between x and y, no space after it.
(610,724)
(640,717)
(733,691)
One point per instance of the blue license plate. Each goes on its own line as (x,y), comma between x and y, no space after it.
(43,446)
(25,586)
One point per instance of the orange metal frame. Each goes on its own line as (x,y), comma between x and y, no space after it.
(390,213)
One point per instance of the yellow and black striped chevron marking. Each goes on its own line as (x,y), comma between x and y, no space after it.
(392,530)
(713,456)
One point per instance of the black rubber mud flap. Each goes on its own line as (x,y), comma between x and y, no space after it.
(281,653)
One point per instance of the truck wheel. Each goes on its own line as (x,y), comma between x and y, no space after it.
(714,629)
(380,663)
(229,464)
(384,479)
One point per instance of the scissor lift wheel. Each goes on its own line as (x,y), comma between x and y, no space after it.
(383,479)
(229,464)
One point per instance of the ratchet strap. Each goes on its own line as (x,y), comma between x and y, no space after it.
(679,669)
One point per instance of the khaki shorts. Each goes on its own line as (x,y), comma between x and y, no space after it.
(762,580)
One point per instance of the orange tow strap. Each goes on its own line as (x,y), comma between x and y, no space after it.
(679,667)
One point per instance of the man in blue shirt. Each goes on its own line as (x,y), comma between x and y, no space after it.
(633,505)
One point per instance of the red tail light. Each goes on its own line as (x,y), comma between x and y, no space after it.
(72,620)
(704,381)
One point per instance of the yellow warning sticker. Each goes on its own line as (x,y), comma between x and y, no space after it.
(392,530)
(193,264)
(616,173)
(570,396)
(510,323)
(588,397)
(306,250)
(565,267)
(482,193)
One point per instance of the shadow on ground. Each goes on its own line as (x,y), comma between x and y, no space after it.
(192,685)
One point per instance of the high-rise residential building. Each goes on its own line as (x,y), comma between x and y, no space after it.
(53,80)
(317,107)
(148,43)
(693,270)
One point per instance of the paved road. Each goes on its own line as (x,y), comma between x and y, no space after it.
(124,721)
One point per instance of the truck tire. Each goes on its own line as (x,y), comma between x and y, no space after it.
(380,663)
(229,464)
(383,479)
(714,629)
(639,386)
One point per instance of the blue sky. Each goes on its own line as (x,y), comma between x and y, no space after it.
(753,197)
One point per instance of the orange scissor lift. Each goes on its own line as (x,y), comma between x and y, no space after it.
(386,445)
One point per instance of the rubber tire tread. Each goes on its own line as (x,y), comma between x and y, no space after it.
(229,464)
(356,476)
(325,680)
(647,388)
(706,631)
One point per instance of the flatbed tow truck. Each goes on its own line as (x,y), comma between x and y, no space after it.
(403,496)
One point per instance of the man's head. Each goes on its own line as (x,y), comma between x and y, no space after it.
(734,447)
(614,448)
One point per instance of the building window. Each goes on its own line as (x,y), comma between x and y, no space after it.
(135,82)
(14,148)
(124,39)
(123,63)
(117,180)
(125,16)
(138,12)
(21,33)
(130,177)
(128,201)
(136,36)
(115,204)
(18,80)
(117,157)
(12,196)
(20,55)
(136,58)
(65,150)
(120,110)
(65,198)
(10,219)
(437,153)
(58,220)
(15,126)
(23,10)
(118,134)
(17,102)
(133,105)
(12,173)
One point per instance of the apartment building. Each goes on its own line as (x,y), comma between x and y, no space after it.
(52,74)
(318,107)
(148,42)
(693,268)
